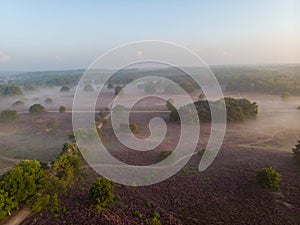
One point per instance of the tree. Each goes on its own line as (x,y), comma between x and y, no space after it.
(201,97)
(268,178)
(64,89)
(296,152)
(10,90)
(62,109)
(170,104)
(36,109)
(187,86)
(18,103)
(101,193)
(8,115)
(110,85)
(118,90)
(88,88)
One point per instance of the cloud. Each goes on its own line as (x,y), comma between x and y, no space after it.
(4,57)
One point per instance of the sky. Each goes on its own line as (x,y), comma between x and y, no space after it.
(51,35)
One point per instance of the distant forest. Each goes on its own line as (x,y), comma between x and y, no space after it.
(275,79)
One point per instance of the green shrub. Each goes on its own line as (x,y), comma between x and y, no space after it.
(138,214)
(88,88)
(165,154)
(18,103)
(8,115)
(64,89)
(36,109)
(268,178)
(298,108)
(101,193)
(62,109)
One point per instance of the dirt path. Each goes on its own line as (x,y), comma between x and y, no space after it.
(18,217)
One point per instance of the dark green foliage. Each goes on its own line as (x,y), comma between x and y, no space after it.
(110,85)
(39,202)
(170,104)
(237,110)
(187,86)
(54,203)
(8,116)
(20,183)
(10,90)
(66,166)
(101,193)
(138,214)
(118,90)
(62,109)
(268,178)
(18,103)
(149,88)
(64,89)
(48,100)
(296,152)
(88,88)
(36,109)
(165,154)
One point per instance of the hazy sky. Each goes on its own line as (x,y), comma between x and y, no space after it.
(55,34)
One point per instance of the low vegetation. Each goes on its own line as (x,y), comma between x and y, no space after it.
(10,90)
(101,193)
(62,109)
(237,110)
(37,109)
(268,178)
(64,89)
(18,103)
(8,116)
(48,100)
(88,88)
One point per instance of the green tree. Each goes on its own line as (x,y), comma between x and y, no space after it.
(37,109)
(18,103)
(10,90)
(88,88)
(101,193)
(118,90)
(8,115)
(62,109)
(48,100)
(64,89)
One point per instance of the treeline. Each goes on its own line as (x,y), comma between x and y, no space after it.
(10,90)
(238,110)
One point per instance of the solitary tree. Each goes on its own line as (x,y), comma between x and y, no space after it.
(36,109)
(101,193)
(62,109)
(118,89)
(8,115)
(296,152)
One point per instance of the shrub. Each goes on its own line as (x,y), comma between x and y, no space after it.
(62,109)
(18,103)
(132,127)
(298,108)
(118,90)
(8,115)
(110,85)
(268,178)
(88,88)
(48,100)
(285,96)
(101,193)
(296,152)
(138,214)
(36,109)
(64,89)
(165,154)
